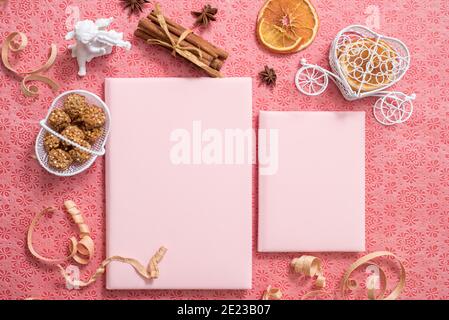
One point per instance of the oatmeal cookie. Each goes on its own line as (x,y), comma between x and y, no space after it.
(75,105)
(59,120)
(51,142)
(93,117)
(59,159)
(92,135)
(72,133)
(79,155)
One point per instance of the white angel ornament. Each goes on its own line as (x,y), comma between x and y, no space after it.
(92,40)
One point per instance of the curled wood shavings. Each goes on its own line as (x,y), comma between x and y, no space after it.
(149,273)
(85,246)
(10,44)
(310,266)
(348,284)
(154,262)
(83,250)
(272,294)
(38,256)
(32,90)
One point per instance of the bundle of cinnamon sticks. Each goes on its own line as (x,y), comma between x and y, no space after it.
(191,46)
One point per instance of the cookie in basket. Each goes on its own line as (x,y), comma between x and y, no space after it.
(92,135)
(78,155)
(59,120)
(75,105)
(366,64)
(72,133)
(51,142)
(59,159)
(93,117)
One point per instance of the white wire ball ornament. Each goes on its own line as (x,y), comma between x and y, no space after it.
(97,149)
(363,64)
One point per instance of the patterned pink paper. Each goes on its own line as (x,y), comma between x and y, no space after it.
(407,166)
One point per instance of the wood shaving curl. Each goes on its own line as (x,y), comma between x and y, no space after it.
(82,250)
(10,44)
(311,266)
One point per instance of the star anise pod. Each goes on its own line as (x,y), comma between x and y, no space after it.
(206,15)
(268,76)
(134,6)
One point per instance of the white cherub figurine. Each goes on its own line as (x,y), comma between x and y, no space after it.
(93,41)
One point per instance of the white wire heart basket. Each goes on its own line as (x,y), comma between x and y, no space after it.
(97,149)
(364,63)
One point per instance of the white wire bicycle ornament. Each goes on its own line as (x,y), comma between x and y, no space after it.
(364,63)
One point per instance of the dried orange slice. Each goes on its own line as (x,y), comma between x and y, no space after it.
(287,25)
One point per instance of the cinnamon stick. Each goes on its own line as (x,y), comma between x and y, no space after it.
(140,33)
(155,31)
(194,39)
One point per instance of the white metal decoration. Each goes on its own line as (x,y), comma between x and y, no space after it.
(364,63)
(97,149)
(92,40)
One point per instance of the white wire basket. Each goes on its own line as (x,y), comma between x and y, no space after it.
(364,63)
(97,149)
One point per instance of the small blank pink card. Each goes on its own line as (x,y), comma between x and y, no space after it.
(315,201)
(165,187)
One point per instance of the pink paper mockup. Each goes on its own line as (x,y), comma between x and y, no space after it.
(315,201)
(167,186)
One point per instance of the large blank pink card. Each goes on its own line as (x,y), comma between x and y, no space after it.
(168,184)
(314,199)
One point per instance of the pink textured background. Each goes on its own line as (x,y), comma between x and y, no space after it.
(407,170)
